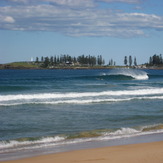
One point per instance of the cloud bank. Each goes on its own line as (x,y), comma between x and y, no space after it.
(76,18)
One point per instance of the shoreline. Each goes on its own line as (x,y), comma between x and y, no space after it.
(81,68)
(31,66)
(88,145)
(142,153)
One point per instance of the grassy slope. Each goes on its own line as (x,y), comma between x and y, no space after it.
(19,65)
(31,65)
(23,64)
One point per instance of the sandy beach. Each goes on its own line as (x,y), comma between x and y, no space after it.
(142,153)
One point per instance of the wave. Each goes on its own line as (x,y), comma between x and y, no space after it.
(133,73)
(81,98)
(115,74)
(87,136)
(150,91)
(83,101)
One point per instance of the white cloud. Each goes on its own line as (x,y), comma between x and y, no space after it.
(9,19)
(65,2)
(73,3)
(68,3)
(123,1)
(74,20)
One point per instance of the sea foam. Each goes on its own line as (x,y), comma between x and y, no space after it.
(79,95)
(81,98)
(52,141)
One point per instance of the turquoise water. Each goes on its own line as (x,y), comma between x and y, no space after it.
(51,108)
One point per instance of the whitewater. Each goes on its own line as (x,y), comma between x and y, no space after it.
(48,111)
(57,98)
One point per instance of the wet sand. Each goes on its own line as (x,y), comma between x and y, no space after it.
(134,153)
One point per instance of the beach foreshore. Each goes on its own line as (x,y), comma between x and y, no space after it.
(142,153)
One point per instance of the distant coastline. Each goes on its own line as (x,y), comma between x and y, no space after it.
(32,65)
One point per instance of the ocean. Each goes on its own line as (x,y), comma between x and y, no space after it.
(48,111)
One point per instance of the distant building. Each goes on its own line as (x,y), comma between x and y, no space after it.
(69,63)
(140,66)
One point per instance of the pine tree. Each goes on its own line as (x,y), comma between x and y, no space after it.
(130,60)
(46,62)
(42,59)
(150,61)
(125,60)
(51,60)
(37,60)
(55,60)
(135,62)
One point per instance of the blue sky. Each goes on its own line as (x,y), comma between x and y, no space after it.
(111,28)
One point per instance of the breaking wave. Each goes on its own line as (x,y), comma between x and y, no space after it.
(133,73)
(81,98)
(95,135)
(84,101)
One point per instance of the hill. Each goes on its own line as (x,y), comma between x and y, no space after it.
(19,65)
(33,65)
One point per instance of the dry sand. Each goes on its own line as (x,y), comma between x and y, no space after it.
(135,153)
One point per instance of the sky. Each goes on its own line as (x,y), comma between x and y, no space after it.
(111,28)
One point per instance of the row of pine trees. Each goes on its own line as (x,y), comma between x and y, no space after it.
(156,60)
(128,61)
(69,60)
(88,60)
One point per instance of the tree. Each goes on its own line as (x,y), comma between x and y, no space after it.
(103,62)
(62,59)
(150,61)
(37,60)
(161,60)
(125,60)
(156,60)
(99,60)
(111,62)
(58,60)
(55,60)
(42,59)
(93,61)
(135,62)
(130,60)
(46,62)
(74,60)
(51,60)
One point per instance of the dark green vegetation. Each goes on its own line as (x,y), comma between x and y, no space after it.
(67,61)
(156,60)
(129,61)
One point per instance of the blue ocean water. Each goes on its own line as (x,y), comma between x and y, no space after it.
(51,108)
